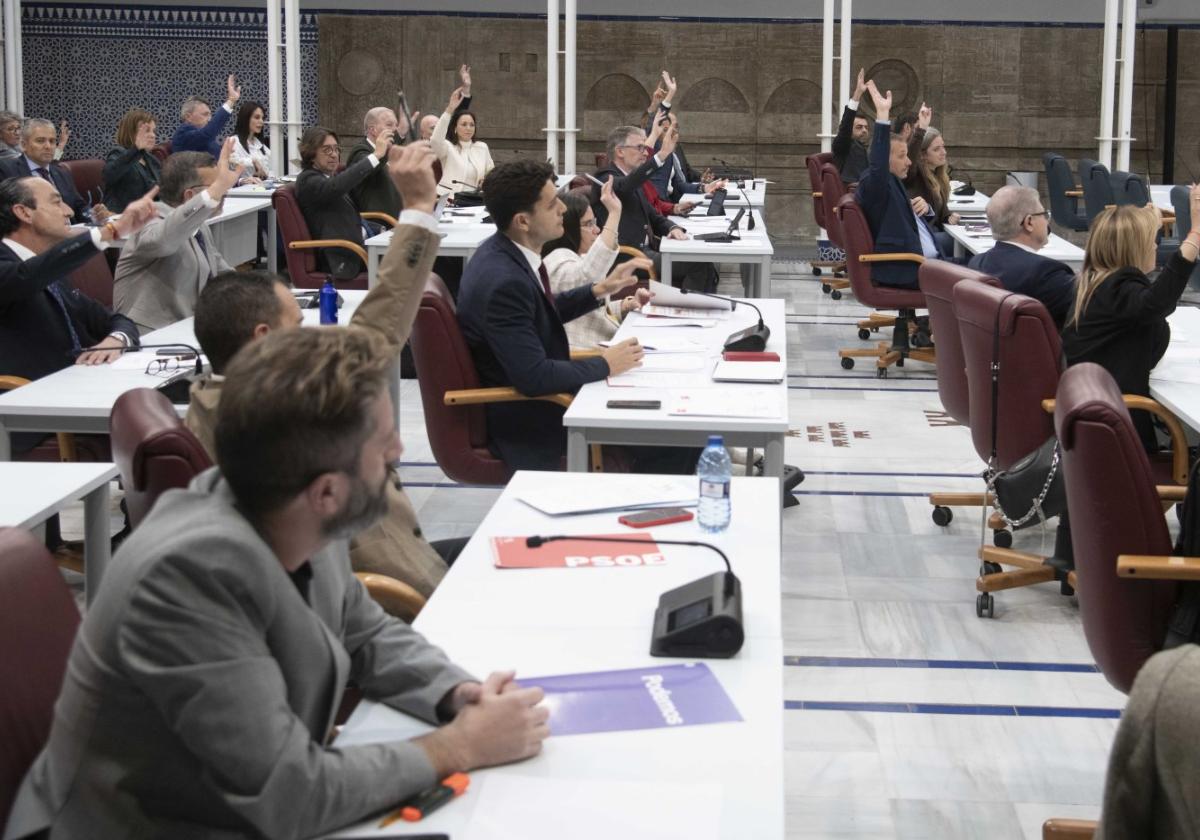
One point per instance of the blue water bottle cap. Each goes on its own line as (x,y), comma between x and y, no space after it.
(716,440)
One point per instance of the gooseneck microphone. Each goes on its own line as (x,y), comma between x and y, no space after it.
(700,619)
(753,338)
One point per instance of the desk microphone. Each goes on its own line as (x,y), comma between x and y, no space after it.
(752,338)
(701,619)
(177,345)
(967,188)
(749,211)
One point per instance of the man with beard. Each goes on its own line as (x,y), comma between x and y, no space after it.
(850,145)
(204,680)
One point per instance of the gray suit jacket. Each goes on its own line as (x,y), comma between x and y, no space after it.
(162,268)
(201,687)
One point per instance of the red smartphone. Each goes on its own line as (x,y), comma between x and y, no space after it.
(655,516)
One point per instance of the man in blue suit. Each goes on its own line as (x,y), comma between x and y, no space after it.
(898,224)
(1021,228)
(513,324)
(201,128)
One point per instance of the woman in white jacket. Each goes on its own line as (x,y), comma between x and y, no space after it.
(465,160)
(584,254)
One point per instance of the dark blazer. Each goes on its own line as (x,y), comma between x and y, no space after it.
(1041,278)
(639,219)
(889,214)
(849,156)
(332,214)
(128,175)
(375,193)
(18,167)
(1124,329)
(188,138)
(517,338)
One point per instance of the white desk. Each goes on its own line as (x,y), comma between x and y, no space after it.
(754,190)
(1175,382)
(235,229)
(589,420)
(1056,248)
(753,249)
(968,203)
(80,398)
(554,621)
(30,493)
(462,231)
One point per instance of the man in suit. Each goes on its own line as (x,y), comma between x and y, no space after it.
(671,181)
(1021,228)
(45,324)
(200,129)
(376,193)
(39,147)
(850,144)
(239,307)
(164,267)
(514,325)
(897,224)
(208,671)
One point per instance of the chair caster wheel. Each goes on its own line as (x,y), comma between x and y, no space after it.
(1002,539)
(990,568)
(847,363)
(985,605)
(881,373)
(900,362)
(942,516)
(826,288)
(836,294)
(864,333)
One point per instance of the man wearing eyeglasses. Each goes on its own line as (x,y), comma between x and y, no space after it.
(165,265)
(1021,228)
(324,197)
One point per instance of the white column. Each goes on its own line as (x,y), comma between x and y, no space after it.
(275,115)
(846,68)
(1108,78)
(570,129)
(1125,112)
(14,86)
(552,82)
(295,113)
(3,50)
(826,134)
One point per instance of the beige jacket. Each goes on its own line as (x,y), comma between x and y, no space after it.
(394,546)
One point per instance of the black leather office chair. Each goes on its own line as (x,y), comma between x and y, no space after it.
(1064,194)
(1130,188)
(1097,187)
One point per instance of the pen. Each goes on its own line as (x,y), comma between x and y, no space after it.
(428,801)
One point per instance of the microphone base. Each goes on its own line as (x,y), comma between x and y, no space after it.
(753,339)
(700,620)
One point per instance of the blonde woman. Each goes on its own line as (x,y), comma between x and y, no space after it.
(1119,320)
(929,176)
(465,160)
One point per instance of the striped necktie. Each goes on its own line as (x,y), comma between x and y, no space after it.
(56,292)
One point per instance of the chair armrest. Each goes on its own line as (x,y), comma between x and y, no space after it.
(386,218)
(818,195)
(1068,829)
(1158,567)
(302,244)
(483,396)
(395,596)
(1073,193)
(576,355)
(1172,492)
(629,250)
(874,258)
(1179,445)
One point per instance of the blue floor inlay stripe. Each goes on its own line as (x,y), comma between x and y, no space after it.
(955,664)
(950,709)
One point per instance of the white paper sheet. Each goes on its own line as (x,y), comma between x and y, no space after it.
(760,404)
(677,322)
(640,491)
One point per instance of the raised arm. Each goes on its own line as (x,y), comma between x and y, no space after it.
(841,143)
(439,141)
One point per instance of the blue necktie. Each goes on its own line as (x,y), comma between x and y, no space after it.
(56,293)
(204,251)
(43,173)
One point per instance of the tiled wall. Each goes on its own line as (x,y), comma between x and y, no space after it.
(89,63)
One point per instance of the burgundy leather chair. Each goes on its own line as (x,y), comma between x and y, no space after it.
(832,190)
(95,279)
(860,254)
(813,164)
(601,159)
(152,448)
(88,175)
(301,248)
(938,279)
(1115,511)
(38,621)
(162,151)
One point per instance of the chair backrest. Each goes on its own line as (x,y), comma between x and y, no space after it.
(1130,188)
(302,265)
(832,190)
(1059,180)
(95,279)
(580,182)
(938,279)
(1114,510)
(1097,187)
(457,434)
(162,151)
(88,176)
(601,159)
(38,621)
(152,448)
(1029,355)
(813,163)
(1183,211)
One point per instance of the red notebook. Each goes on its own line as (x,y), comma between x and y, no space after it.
(749,356)
(513,553)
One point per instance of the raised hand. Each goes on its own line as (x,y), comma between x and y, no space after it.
(656,98)
(64,134)
(382,143)
(621,276)
(411,170)
(233,91)
(670,139)
(860,86)
(610,200)
(464,76)
(924,116)
(456,99)
(671,86)
(136,214)
(883,103)
(227,174)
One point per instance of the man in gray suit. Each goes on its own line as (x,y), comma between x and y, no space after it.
(165,265)
(206,675)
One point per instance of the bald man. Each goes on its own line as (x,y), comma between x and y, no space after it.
(376,193)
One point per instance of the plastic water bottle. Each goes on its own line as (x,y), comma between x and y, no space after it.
(716,471)
(327,302)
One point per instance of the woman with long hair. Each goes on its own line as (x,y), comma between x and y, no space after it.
(929,175)
(584,254)
(130,169)
(1119,320)
(465,160)
(250,151)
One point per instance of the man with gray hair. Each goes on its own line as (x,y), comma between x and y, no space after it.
(10,135)
(39,148)
(1021,228)
(376,193)
(200,128)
